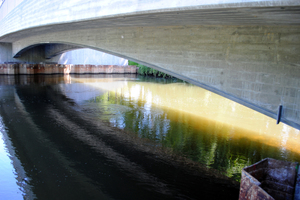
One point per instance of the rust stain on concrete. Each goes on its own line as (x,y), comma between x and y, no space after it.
(269,179)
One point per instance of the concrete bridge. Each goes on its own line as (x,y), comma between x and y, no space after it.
(245,50)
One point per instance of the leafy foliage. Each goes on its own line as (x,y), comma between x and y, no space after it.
(147,71)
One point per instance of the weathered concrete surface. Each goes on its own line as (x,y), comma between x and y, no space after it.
(6,52)
(32,54)
(31,13)
(250,189)
(248,52)
(60,78)
(13,69)
(269,179)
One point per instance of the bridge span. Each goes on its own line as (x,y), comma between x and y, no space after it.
(245,50)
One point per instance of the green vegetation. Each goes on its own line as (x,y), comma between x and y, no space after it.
(178,135)
(147,71)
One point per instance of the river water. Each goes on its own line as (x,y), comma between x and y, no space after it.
(128,137)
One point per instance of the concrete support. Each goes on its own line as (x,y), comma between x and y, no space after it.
(6,52)
(57,54)
(34,54)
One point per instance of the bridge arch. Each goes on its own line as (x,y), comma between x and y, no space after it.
(250,65)
(50,49)
(65,53)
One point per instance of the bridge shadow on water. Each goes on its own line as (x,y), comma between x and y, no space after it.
(68,154)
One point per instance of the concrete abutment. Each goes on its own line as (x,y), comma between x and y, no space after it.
(32,54)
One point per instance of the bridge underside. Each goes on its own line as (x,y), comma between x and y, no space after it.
(256,64)
(35,53)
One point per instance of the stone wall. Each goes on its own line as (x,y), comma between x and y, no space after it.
(15,68)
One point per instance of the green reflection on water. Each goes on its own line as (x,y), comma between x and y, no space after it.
(197,124)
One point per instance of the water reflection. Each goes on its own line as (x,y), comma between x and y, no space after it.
(68,152)
(13,182)
(197,124)
(64,130)
(7,173)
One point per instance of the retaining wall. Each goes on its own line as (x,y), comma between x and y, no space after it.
(15,68)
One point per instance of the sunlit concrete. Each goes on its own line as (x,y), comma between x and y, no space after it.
(31,13)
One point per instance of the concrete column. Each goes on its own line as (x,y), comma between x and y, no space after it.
(6,53)
(33,55)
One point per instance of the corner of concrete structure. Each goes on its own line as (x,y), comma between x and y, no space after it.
(6,53)
(32,55)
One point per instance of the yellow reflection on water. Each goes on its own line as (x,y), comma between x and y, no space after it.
(207,109)
(203,104)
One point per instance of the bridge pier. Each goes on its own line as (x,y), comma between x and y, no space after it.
(31,55)
(6,52)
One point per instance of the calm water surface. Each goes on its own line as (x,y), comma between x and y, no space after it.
(127,137)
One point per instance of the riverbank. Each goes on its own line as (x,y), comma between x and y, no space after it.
(21,68)
(147,71)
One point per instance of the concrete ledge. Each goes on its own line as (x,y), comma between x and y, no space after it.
(15,69)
